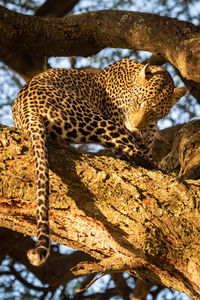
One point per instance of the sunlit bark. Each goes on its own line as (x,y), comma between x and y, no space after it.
(127,218)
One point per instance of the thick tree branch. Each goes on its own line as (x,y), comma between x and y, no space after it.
(56,8)
(90,32)
(128,218)
(27,65)
(124,29)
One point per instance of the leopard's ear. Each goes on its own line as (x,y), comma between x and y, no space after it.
(178,93)
(141,78)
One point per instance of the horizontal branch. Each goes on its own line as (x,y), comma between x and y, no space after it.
(128,218)
(90,32)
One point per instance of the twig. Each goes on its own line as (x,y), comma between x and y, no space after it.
(89,284)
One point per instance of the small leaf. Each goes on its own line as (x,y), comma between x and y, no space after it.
(174,174)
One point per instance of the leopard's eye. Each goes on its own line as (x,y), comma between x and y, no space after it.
(137,100)
(155,113)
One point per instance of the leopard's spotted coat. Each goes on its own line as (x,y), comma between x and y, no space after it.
(117,108)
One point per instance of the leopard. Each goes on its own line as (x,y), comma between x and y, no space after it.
(117,108)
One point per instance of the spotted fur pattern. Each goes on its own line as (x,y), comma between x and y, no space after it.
(117,108)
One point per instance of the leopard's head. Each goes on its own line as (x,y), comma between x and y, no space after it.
(154,95)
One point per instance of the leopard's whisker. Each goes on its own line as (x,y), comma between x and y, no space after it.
(160,137)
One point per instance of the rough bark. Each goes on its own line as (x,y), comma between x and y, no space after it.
(127,218)
(88,33)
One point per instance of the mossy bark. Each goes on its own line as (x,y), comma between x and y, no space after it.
(127,218)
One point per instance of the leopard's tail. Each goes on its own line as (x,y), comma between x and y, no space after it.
(37,133)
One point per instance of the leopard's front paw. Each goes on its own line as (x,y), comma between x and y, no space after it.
(146,163)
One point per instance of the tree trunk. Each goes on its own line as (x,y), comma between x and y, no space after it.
(128,218)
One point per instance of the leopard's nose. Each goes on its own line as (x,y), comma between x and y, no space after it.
(132,127)
(135,121)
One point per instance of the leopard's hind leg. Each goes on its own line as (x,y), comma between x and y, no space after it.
(37,133)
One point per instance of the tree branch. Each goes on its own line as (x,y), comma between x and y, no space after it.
(141,290)
(55,272)
(128,218)
(27,66)
(88,33)
(183,158)
(55,8)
